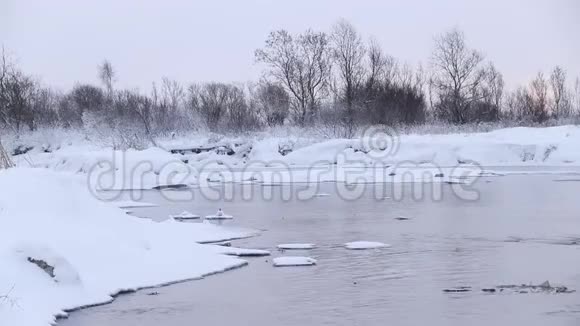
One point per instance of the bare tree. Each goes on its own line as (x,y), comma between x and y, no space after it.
(18,93)
(272,102)
(5,69)
(107,76)
(348,52)
(539,98)
(558,87)
(172,93)
(491,93)
(170,101)
(457,76)
(5,162)
(302,65)
(576,100)
(44,103)
(222,105)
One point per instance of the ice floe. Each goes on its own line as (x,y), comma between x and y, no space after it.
(294,261)
(361,245)
(185,215)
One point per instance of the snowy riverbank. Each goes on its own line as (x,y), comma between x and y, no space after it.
(60,248)
(198,160)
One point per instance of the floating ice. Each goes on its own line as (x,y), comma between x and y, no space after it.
(360,245)
(294,261)
(185,215)
(219,216)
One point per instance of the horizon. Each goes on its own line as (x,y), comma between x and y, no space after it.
(75,38)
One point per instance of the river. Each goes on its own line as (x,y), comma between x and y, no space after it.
(521,229)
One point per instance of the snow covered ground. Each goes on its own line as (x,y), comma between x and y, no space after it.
(61,248)
(203,161)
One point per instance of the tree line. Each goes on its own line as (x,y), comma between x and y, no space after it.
(334,80)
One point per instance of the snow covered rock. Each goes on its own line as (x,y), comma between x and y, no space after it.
(294,261)
(296,246)
(185,215)
(361,245)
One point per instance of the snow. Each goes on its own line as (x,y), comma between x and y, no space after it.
(296,246)
(185,215)
(294,261)
(258,158)
(132,204)
(95,248)
(362,245)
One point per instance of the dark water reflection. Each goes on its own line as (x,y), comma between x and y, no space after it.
(445,244)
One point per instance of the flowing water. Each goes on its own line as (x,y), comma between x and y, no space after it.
(522,229)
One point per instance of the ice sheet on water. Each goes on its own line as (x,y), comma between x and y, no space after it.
(185,215)
(219,217)
(294,261)
(361,245)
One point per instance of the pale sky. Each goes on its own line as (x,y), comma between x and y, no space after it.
(62,41)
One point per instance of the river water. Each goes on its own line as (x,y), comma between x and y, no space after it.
(522,229)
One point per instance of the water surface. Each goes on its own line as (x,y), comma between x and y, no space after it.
(522,229)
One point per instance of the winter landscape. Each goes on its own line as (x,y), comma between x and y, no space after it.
(310,167)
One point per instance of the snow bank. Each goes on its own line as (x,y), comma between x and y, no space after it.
(281,160)
(362,245)
(60,248)
(294,261)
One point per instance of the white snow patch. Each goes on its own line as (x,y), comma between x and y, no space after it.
(294,261)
